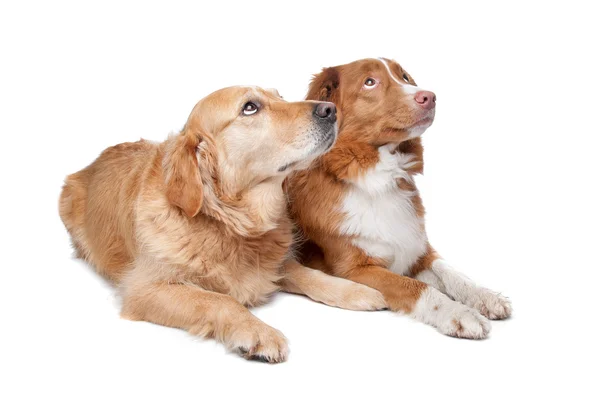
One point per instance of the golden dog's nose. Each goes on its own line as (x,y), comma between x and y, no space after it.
(326,110)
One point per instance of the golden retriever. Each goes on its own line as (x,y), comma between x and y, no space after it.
(368,223)
(195,228)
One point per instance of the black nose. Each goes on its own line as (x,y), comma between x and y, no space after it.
(325,111)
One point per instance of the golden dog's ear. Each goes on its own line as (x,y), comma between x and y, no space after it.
(182,173)
(325,86)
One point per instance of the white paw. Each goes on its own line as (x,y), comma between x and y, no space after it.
(465,322)
(256,340)
(450,317)
(490,304)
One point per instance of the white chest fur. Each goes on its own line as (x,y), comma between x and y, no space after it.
(381,216)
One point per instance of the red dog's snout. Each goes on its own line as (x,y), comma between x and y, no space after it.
(425,99)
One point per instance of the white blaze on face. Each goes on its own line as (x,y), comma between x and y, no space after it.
(406,87)
(409,90)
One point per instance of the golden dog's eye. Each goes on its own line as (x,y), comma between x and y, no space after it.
(250,108)
(405,77)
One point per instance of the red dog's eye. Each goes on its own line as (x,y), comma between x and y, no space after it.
(370,82)
(405,77)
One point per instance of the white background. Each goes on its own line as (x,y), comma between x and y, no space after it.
(510,185)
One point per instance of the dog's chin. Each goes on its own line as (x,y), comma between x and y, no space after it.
(419,128)
(323,146)
(327,142)
(403,133)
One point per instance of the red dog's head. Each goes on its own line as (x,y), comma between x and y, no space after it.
(378,101)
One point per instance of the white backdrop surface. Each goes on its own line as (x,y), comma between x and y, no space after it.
(510,187)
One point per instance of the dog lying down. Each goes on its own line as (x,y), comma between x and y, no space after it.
(195,228)
(368,222)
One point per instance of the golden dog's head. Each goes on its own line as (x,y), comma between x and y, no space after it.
(240,137)
(378,101)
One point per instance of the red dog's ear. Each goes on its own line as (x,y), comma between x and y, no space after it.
(325,86)
(182,173)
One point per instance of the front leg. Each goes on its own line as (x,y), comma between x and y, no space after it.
(436,272)
(203,313)
(330,290)
(422,302)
